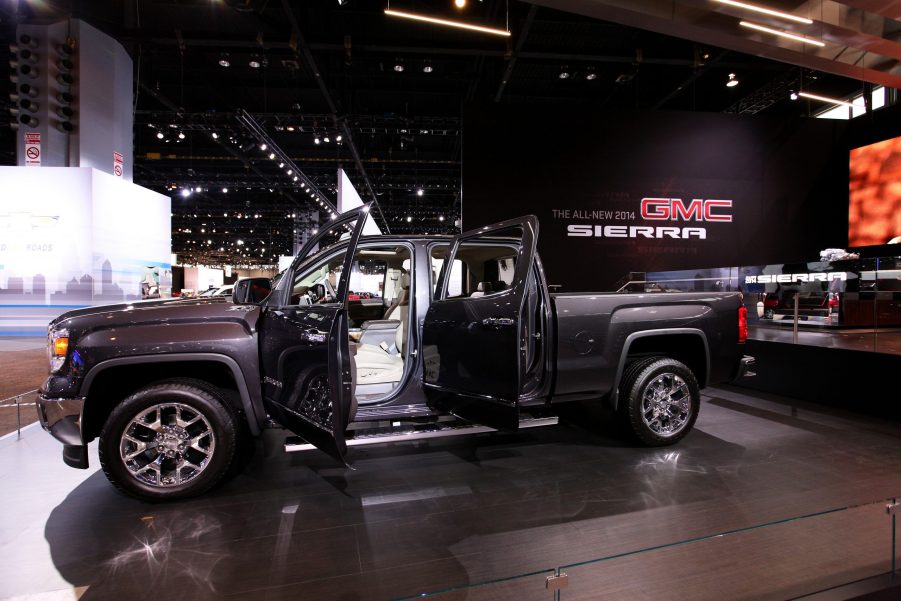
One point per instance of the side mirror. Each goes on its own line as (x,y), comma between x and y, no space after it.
(251,291)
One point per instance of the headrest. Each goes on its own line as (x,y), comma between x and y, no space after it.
(483,287)
(404,280)
(498,286)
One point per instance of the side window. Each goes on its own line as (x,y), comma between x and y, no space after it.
(367,279)
(318,284)
(489,268)
(456,283)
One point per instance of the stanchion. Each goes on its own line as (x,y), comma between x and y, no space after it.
(795,326)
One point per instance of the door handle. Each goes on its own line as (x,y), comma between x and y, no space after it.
(497,322)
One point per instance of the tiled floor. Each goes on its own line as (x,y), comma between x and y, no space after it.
(417,517)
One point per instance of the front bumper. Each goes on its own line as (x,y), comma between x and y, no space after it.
(62,418)
(745,368)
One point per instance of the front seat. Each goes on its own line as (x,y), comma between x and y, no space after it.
(376,365)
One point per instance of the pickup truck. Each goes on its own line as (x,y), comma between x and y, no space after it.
(375,338)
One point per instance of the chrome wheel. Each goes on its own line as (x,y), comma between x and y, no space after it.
(666,405)
(167,445)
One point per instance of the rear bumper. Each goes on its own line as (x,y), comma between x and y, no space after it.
(745,368)
(62,419)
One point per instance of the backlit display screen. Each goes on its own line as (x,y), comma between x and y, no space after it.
(874,208)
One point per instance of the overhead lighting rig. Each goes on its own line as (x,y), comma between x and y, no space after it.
(292,171)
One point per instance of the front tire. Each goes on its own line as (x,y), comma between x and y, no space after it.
(170,440)
(661,401)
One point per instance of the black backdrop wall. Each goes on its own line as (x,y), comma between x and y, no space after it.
(786,180)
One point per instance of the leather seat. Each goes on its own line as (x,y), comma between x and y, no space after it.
(377,365)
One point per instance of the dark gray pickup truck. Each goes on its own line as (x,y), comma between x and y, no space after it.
(369,339)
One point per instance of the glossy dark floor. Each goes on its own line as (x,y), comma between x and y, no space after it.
(421,517)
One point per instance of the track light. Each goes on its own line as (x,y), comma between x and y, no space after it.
(271,155)
(427,67)
(316,140)
(223,60)
(160,135)
(326,140)
(460,3)
(263,146)
(338,138)
(445,22)
(564,73)
(399,67)
(419,192)
(591,75)
(767,11)
(732,81)
(181,135)
(829,100)
(214,135)
(780,33)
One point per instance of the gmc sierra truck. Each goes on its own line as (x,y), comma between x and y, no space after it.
(367,339)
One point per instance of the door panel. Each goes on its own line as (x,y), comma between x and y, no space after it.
(303,334)
(474,346)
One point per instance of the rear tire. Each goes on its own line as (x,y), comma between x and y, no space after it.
(169,440)
(660,400)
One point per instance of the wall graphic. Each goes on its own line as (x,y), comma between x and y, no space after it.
(74,237)
(640,192)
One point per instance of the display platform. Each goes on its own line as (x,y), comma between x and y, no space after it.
(856,371)
(419,517)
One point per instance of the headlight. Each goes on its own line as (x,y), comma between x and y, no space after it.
(57,347)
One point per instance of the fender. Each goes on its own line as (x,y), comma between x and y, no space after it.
(614,394)
(251,396)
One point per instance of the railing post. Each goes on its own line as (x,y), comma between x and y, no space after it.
(18,417)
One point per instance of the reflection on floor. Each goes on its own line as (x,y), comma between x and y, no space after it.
(416,517)
(876,341)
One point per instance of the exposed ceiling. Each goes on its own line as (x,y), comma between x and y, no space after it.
(327,69)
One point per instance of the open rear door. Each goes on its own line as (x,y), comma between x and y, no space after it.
(304,349)
(474,350)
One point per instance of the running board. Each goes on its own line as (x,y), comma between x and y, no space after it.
(295,444)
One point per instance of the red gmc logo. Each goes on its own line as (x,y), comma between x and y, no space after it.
(674,209)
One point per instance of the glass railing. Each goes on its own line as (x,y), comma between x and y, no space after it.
(853,304)
(783,558)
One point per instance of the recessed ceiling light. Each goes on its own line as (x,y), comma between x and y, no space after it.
(591,76)
(564,73)
(254,63)
(399,67)
(224,62)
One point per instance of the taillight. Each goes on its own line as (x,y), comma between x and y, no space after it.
(742,323)
(833,301)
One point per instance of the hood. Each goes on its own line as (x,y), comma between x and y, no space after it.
(167,312)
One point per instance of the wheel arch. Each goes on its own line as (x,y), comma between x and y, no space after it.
(110,381)
(687,345)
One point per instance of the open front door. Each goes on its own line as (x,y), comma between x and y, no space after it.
(474,347)
(304,350)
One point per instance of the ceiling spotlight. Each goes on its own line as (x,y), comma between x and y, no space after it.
(399,67)
(254,63)
(271,155)
(409,219)
(290,172)
(316,140)
(263,146)
(225,190)
(591,75)
(732,81)
(160,135)
(460,3)
(295,178)
(440,217)
(793,95)
(338,138)
(214,135)
(223,60)
(326,140)
(198,189)
(289,127)
(564,73)
(186,192)
(419,192)
(181,135)
(427,67)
